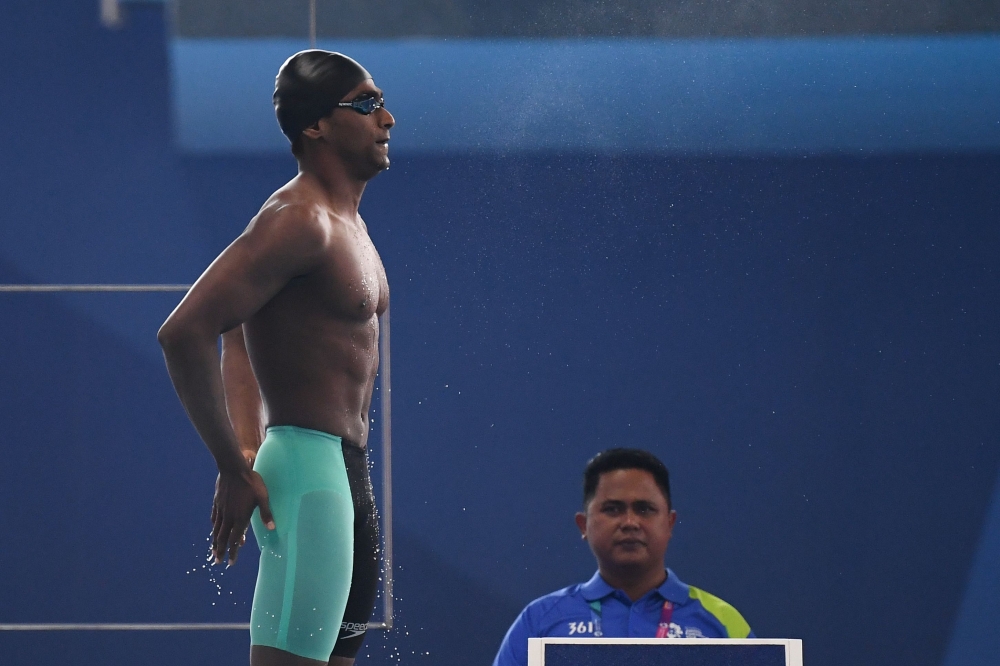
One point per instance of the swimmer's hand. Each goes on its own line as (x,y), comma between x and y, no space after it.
(236,496)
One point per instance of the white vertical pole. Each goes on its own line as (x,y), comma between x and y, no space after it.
(386,398)
(111,14)
(312,24)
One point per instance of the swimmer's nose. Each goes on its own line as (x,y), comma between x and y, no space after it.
(388,121)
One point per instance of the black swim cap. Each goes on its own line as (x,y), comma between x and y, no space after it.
(309,85)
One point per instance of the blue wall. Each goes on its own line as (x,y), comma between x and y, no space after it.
(809,343)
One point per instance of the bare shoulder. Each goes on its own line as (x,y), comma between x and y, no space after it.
(291,216)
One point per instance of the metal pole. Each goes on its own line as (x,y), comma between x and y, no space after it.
(111,14)
(34,288)
(124,626)
(386,465)
(312,24)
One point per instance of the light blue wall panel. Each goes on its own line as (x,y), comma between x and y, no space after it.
(766,96)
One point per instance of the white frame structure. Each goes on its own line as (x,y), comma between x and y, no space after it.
(113,17)
(385,402)
(793,646)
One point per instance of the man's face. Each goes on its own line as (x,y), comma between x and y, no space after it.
(628,523)
(362,141)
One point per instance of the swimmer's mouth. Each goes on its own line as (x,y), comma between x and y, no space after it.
(383,142)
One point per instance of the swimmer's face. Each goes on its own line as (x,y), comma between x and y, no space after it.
(361,140)
(628,523)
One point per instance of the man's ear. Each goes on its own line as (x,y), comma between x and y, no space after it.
(581,523)
(313,131)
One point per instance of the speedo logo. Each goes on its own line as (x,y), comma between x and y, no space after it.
(352,629)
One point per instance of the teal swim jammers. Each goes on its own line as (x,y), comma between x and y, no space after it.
(307,561)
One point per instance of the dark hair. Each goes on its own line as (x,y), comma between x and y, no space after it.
(614,459)
(308,87)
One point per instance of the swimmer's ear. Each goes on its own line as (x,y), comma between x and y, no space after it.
(581,523)
(313,131)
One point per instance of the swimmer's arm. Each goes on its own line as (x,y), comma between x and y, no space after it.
(243,401)
(278,246)
(275,248)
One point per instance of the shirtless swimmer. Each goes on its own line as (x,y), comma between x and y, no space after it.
(296,299)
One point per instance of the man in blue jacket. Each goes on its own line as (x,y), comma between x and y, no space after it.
(627,519)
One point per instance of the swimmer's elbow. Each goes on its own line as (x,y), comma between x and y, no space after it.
(176,334)
(168,335)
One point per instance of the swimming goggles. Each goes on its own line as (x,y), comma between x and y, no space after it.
(365,106)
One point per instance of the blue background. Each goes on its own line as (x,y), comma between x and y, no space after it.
(808,340)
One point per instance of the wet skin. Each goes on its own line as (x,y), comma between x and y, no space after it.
(628,525)
(296,298)
(313,345)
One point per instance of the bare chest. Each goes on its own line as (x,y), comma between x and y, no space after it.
(351,281)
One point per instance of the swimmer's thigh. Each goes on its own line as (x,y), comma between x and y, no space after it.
(306,562)
(367,561)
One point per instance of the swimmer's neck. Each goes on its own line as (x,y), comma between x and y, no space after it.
(331,175)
